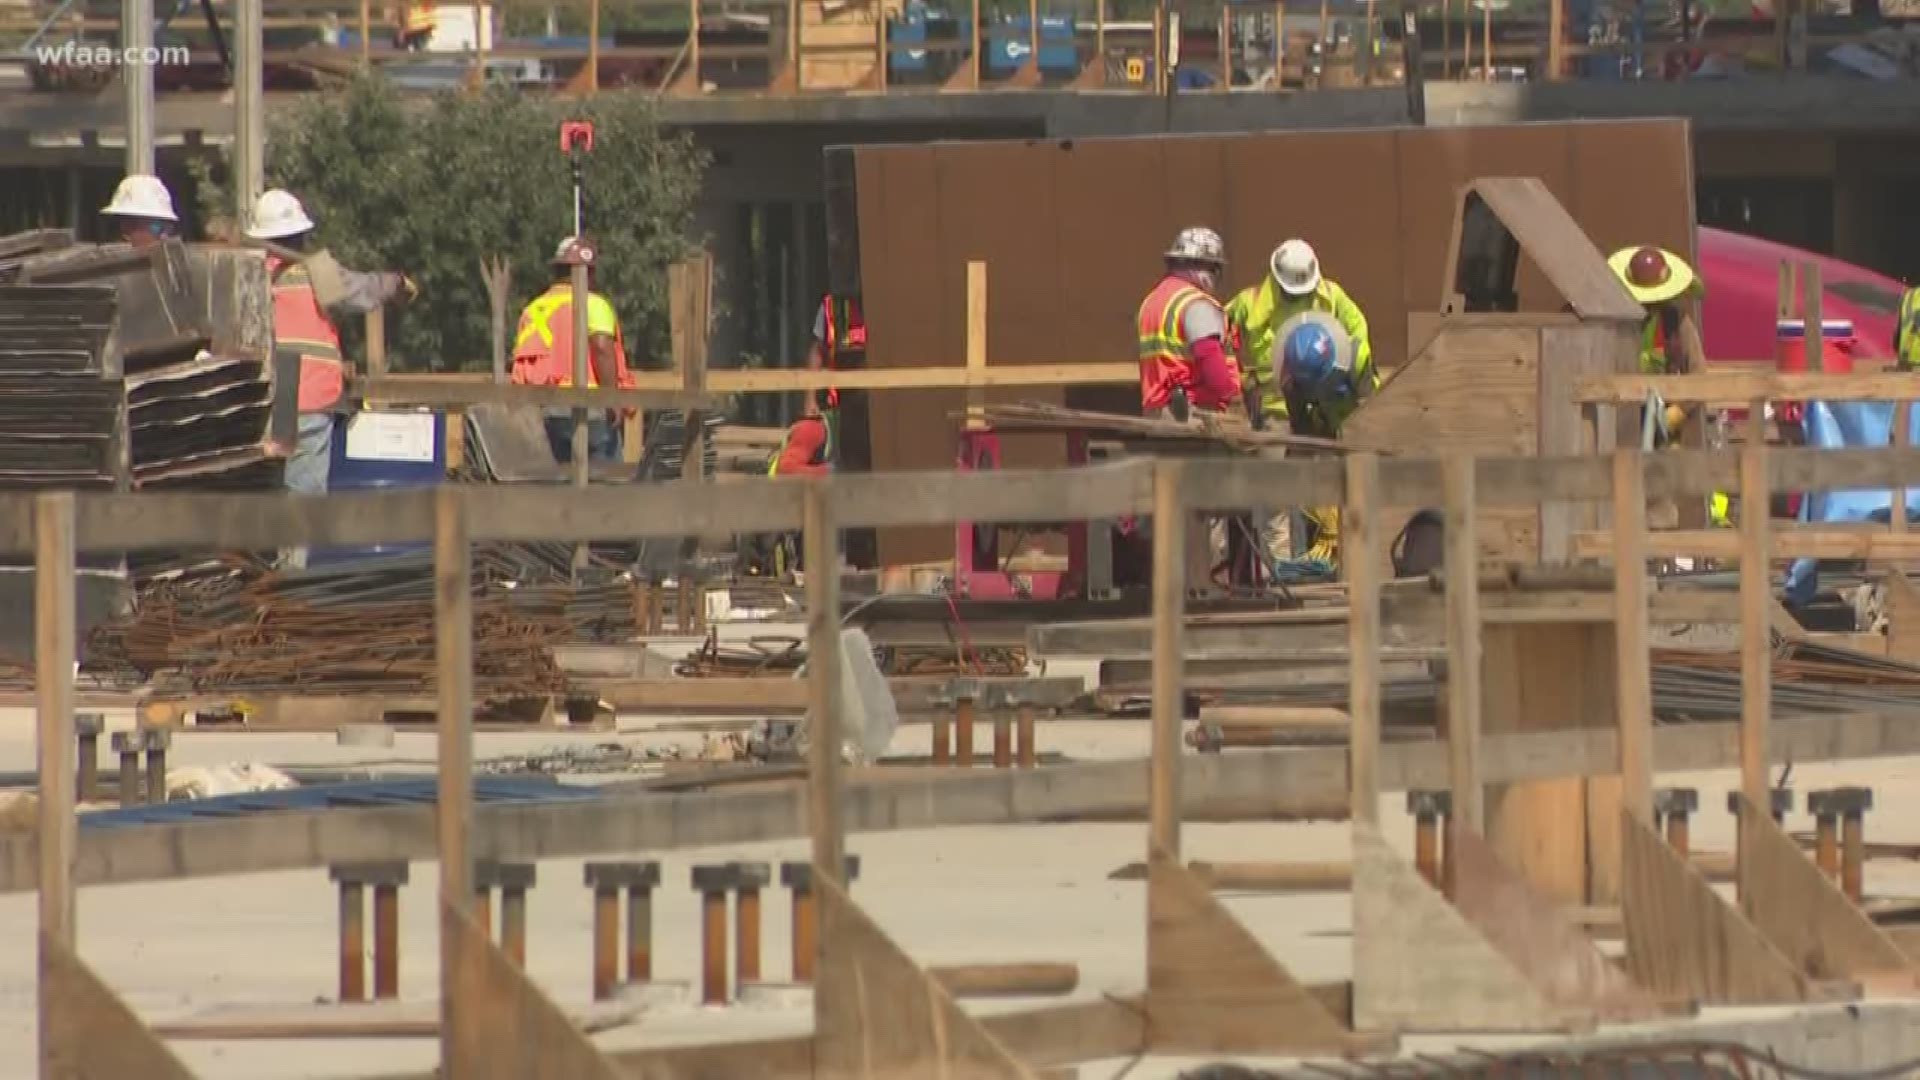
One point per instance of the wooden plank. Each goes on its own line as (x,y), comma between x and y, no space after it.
(886,1016)
(976,342)
(517,1030)
(1463,644)
(1633,694)
(1903,617)
(54,645)
(1537,937)
(1737,388)
(1212,988)
(1684,942)
(1873,544)
(1418,965)
(87,1032)
(1362,566)
(1169,623)
(1756,625)
(1575,352)
(1553,240)
(825,797)
(463,975)
(392,1019)
(1805,915)
(1247,784)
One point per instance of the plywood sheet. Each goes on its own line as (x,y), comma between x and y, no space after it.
(91,1033)
(1633,184)
(1684,942)
(1418,965)
(1535,935)
(517,1030)
(1804,914)
(1213,988)
(1548,235)
(880,1016)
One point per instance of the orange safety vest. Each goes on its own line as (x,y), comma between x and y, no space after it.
(300,325)
(846,329)
(1166,361)
(543,345)
(417,18)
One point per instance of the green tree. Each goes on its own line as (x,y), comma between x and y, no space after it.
(432,186)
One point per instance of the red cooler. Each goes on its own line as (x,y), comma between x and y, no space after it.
(1790,354)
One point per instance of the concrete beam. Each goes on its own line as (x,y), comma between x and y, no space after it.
(1244,785)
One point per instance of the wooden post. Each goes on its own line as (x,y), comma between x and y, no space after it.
(1160,48)
(581,371)
(1902,438)
(881,53)
(1463,642)
(976,343)
(1363,50)
(479,44)
(1169,659)
(1446,39)
(1226,48)
(593,46)
(1634,665)
(1361,562)
(820,533)
(1816,330)
(366,34)
(793,41)
(1100,41)
(1326,53)
(1279,44)
(1556,40)
(376,327)
(1486,43)
(1033,37)
(462,1043)
(1787,285)
(1466,40)
(1756,623)
(53,630)
(974,59)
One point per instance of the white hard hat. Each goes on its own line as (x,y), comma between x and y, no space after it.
(1198,244)
(1296,269)
(144,196)
(278,215)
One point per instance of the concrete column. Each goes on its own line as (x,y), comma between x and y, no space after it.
(136,76)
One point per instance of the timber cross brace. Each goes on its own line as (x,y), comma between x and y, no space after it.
(877,1011)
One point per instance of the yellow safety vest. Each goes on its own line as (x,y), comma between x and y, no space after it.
(1906,334)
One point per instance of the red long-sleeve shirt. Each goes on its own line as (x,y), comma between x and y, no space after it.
(805,439)
(1216,383)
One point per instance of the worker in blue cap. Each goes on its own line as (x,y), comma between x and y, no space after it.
(1314,365)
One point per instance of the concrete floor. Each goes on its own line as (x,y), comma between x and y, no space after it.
(1036,892)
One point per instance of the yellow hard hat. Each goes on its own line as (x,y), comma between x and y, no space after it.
(1652,274)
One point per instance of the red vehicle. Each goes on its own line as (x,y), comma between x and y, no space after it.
(1742,275)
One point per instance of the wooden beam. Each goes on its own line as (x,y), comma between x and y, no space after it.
(1634,689)
(463,1034)
(1169,622)
(87,1032)
(516,1031)
(1362,565)
(1736,388)
(1244,785)
(1463,643)
(1756,628)
(977,337)
(825,799)
(54,644)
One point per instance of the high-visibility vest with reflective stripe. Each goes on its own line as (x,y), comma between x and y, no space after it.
(418,18)
(299,325)
(1906,334)
(543,345)
(821,455)
(1653,346)
(1166,357)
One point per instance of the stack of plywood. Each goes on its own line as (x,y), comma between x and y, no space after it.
(842,24)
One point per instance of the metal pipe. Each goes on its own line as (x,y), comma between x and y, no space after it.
(386,942)
(639,933)
(87,727)
(713,884)
(942,739)
(353,941)
(129,751)
(1002,741)
(1026,755)
(157,742)
(513,923)
(963,733)
(606,941)
(749,879)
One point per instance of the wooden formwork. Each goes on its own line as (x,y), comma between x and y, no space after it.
(1209,987)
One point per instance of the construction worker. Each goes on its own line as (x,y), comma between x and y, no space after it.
(543,352)
(416,24)
(1321,383)
(1184,360)
(1293,285)
(142,211)
(1906,334)
(300,325)
(807,450)
(1662,283)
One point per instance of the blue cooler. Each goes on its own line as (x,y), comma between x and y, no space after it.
(385,449)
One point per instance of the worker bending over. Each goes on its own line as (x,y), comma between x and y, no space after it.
(1294,286)
(1320,383)
(142,211)
(301,326)
(808,450)
(1906,334)
(1183,333)
(543,352)
(1663,284)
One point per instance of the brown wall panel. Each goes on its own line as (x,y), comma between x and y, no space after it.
(1072,231)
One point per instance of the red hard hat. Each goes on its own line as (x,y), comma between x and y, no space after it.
(1648,268)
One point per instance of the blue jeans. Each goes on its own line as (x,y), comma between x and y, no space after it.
(603,439)
(307,468)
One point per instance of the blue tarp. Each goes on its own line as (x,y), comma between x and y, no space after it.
(354,794)
(1850,424)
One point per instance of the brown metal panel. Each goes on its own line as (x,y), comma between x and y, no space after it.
(1345,205)
(1111,231)
(1633,183)
(1435,163)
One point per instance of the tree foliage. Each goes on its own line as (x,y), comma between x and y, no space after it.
(432,186)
